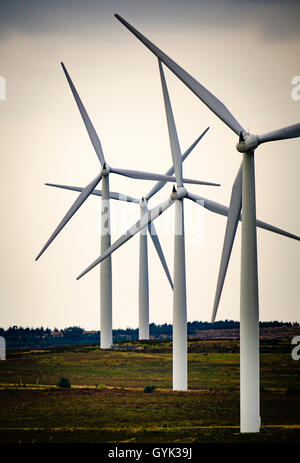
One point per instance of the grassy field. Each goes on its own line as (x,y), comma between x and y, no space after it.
(107,402)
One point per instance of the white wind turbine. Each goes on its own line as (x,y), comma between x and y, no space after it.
(143,245)
(242,198)
(179,293)
(106,170)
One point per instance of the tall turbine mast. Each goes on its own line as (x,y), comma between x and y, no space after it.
(180,382)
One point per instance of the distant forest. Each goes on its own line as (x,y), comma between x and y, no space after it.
(18,337)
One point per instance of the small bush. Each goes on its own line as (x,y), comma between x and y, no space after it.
(64,383)
(149,389)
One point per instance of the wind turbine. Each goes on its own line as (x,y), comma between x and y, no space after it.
(179,290)
(143,245)
(242,198)
(179,293)
(105,171)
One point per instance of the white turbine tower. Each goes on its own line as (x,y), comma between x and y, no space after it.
(179,293)
(243,197)
(106,170)
(143,245)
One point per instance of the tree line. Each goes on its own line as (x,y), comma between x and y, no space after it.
(19,337)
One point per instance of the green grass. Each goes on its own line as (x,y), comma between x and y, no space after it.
(118,410)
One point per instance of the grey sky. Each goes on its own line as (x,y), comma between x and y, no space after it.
(43,140)
(273,19)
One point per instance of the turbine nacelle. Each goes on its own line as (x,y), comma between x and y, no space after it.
(247,143)
(180,193)
(143,203)
(105,170)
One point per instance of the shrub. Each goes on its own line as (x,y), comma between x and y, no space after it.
(149,389)
(64,383)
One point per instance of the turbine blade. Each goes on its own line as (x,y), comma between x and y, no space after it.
(87,122)
(122,197)
(151,176)
(276,230)
(215,105)
(233,213)
(193,145)
(75,206)
(291,131)
(174,142)
(162,183)
(157,245)
(138,226)
(223,210)
(112,194)
(209,204)
(233,217)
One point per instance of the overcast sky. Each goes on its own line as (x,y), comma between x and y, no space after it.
(244,52)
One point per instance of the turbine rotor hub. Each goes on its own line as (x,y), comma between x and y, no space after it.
(105,170)
(143,203)
(248,143)
(180,193)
